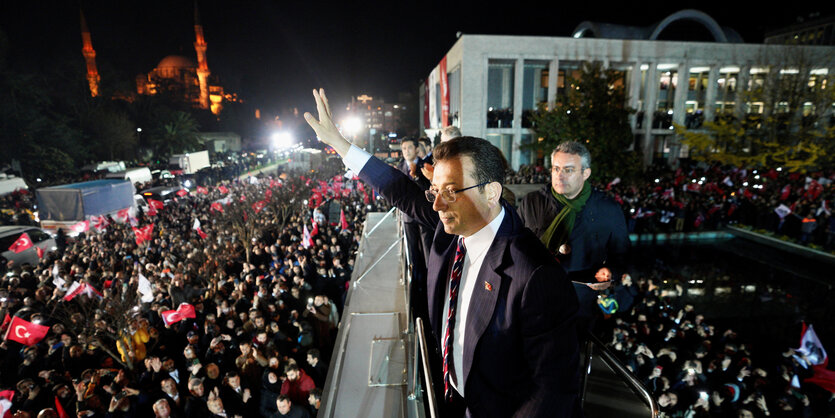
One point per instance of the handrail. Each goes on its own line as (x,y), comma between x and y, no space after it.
(427,374)
(612,361)
(368,234)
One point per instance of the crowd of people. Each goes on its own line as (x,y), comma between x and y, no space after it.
(190,322)
(694,368)
(795,205)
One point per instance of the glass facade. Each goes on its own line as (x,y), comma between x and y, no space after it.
(500,79)
(504,142)
(534,89)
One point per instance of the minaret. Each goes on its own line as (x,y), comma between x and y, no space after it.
(202,65)
(90,57)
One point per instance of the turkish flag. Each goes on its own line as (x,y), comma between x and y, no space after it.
(80,227)
(268,193)
(22,243)
(217,206)
(39,250)
(100,222)
(170,317)
(156,204)
(315,230)
(187,310)
(201,189)
(201,233)
(784,194)
(223,189)
(152,211)
(123,214)
(25,332)
(259,206)
(78,288)
(182,192)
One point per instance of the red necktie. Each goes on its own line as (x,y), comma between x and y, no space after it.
(454,281)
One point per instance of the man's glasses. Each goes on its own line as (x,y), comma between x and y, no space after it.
(448,194)
(565,170)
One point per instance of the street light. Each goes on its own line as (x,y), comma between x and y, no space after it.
(282,139)
(138,134)
(351,125)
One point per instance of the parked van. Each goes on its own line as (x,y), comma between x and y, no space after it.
(135,175)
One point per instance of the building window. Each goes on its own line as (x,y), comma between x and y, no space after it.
(534,89)
(504,142)
(500,79)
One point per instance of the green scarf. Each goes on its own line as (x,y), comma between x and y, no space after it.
(560,229)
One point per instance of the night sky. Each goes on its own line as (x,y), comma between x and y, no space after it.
(273,52)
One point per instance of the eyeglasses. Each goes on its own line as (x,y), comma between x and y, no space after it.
(566,170)
(448,194)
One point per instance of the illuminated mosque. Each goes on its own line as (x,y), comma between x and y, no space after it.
(176,73)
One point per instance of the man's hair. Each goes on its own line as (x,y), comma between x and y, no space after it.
(291,367)
(574,148)
(317,393)
(409,139)
(451,132)
(283,398)
(313,352)
(488,160)
(426,141)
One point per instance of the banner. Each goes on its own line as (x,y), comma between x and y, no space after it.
(426,104)
(433,111)
(444,93)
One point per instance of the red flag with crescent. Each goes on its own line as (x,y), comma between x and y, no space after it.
(22,243)
(25,332)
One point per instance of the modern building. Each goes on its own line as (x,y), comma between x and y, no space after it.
(487,85)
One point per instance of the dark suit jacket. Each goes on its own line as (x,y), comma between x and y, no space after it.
(521,356)
(599,238)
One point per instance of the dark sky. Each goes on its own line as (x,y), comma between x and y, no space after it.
(273,52)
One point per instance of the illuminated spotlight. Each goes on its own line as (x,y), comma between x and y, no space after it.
(282,139)
(351,125)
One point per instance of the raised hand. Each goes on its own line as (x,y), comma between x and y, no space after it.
(325,129)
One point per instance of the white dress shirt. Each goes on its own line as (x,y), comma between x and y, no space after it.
(477,246)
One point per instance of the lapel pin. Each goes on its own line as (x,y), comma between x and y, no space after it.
(488,287)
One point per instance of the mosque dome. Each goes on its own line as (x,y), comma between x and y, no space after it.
(173,65)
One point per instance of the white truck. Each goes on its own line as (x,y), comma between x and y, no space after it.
(135,175)
(189,163)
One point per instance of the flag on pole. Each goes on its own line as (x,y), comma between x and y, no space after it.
(145,290)
(259,205)
(80,227)
(223,189)
(25,332)
(811,347)
(307,241)
(217,207)
(122,215)
(343,224)
(182,312)
(78,288)
(156,204)
(22,243)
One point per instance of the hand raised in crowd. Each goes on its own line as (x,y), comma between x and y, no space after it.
(325,129)
(428,171)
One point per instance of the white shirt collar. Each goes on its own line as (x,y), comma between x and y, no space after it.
(478,243)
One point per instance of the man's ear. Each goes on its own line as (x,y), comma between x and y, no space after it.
(494,192)
(586,173)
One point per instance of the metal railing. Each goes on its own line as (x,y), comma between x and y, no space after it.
(611,360)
